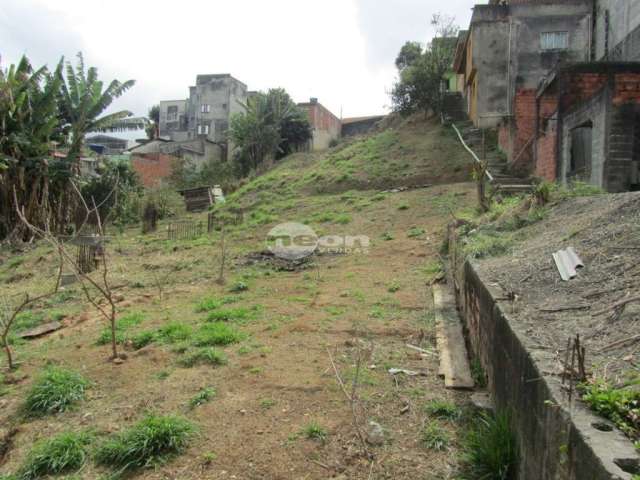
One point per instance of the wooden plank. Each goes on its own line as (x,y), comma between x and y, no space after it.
(454,361)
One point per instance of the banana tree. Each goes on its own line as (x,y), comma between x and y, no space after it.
(83,101)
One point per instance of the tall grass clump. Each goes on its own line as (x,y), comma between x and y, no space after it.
(490,449)
(147,443)
(54,391)
(65,453)
(204,356)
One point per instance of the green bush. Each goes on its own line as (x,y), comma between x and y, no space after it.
(490,450)
(147,443)
(239,287)
(64,453)
(55,390)
(229,314)
(217,333)
(142,339)
(208,304)
(208,356)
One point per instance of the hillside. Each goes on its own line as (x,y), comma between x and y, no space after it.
(249,363)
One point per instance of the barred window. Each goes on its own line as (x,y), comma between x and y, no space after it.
(554,40)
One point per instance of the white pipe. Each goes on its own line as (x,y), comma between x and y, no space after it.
(473,154)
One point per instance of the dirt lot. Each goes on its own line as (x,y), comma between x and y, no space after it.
(279,379)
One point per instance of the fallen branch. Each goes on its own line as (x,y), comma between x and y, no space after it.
(619,343)
(421,350)
(565,308)
(617,305)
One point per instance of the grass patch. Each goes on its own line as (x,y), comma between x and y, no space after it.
(230,314)
(204,356)
(142,339)
(478,374)
(483,245)
(393,287)
(208,304)
(435,437)
(387,236)
(314,431)
(123,324)
(147,443)
(239,287)
(205,395)
(54,391)
(66,452)
(490,449)
(415,232)
(267,403)
(442,409)
(403,206)
(217,333)
(174,332)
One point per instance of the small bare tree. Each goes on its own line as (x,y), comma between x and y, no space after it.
(98,291)
(9,314)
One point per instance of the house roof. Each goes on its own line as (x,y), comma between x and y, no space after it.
(348,121)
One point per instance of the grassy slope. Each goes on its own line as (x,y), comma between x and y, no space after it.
(276,380)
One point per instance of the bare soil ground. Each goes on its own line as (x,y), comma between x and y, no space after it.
(279,379)
(605,232)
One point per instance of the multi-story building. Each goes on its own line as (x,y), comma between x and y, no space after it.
(198,125)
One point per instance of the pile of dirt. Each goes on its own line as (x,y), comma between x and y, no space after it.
(602,304)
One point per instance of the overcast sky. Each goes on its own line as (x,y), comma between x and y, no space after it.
(341,51)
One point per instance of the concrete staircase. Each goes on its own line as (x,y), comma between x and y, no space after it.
(502,178)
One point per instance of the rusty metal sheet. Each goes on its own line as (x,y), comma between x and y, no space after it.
(41,330)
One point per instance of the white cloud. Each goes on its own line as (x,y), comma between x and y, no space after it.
(341,51)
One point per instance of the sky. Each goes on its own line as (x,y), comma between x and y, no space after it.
(340,51)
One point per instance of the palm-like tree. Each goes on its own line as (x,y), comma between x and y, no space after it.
(83,101)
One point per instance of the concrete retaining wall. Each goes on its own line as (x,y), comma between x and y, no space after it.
(557,441)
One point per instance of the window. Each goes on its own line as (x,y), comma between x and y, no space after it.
(554,40)
(205,108)
(172,113)
(203,129)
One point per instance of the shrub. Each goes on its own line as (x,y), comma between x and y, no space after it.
(393,287)
(490,449)
(482,245)
(210,356)
(55,391)
(202,397)
(434,437)
(148,442)
(403,206)
(66,452)
(217,333)
(442,409)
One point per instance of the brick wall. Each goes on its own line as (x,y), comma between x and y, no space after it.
(627,89)
(582,87)
(546,150)
(153,167)
(525,129)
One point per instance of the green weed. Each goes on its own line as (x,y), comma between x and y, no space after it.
(54,391)
(230,314)
(490,450)
(394,286)
(142,339)
(64,453)
(217,333)
(123,324)
(239,287)
(415,232)
(435,437)
(315,431)
(204,356)
(442,409)
(620,405)
(208,304)
(205,395)
(147,443)
(174,332)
